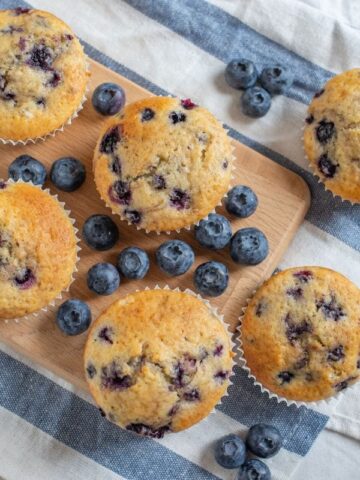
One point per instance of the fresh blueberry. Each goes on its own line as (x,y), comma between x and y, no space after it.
(249,246)
(276,79)
(255,102)
(211,278)
(100,232)
(254,469)
(108,98)
(241,201)
(241,73)
(67,174)
(264,440)
(175,257)
(230,451)
(133,263)
(28,169)
(73,317)
(103,279)
(213,232)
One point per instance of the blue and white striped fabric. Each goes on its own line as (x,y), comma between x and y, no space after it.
(48,429)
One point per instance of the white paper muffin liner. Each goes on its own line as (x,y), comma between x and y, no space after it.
(190,225)
(318,178)
(75,114)
(57,299)
(319,404)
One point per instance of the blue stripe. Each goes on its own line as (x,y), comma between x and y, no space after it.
(226,37)
(298,426)
(79,425)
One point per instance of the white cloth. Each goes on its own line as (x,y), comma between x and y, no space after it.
(323,32)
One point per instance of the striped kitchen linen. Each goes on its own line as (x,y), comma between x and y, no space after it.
(50,430)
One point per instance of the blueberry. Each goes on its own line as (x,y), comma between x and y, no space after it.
(325,131)
(28,169)
(110,140)
(67,174)
(21,11)
(241,201)
(331,309)
(120,193)
(276,79)
(213,232)
(176,117)
(73,317)
(249,246)
(336,354)
(103,279)
(255,102)
(54,79)
(108,98)
(41,57)
(241,73)
(147,114)
(264,440)
(133,216)
(100,232)
(230,451)
(326,166)
(148,431)
(285,377)
(25,279)
(175,257)
(254,469)
(319,93)
(158,182)
(294,331)
(211,278)
(180,199)
(133,263)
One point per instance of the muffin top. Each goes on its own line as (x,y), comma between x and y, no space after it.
(43,73)
(332,135)
(157,361)
(301,334)
(163,164)
(38,249)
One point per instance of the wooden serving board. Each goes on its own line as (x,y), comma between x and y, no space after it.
(283,201)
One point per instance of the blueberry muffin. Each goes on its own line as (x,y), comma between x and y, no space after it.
(157,361)
(163,164)
(43,74)
(38,249)
(301,334)
(332,135)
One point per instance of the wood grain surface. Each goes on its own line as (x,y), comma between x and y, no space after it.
(283,201)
